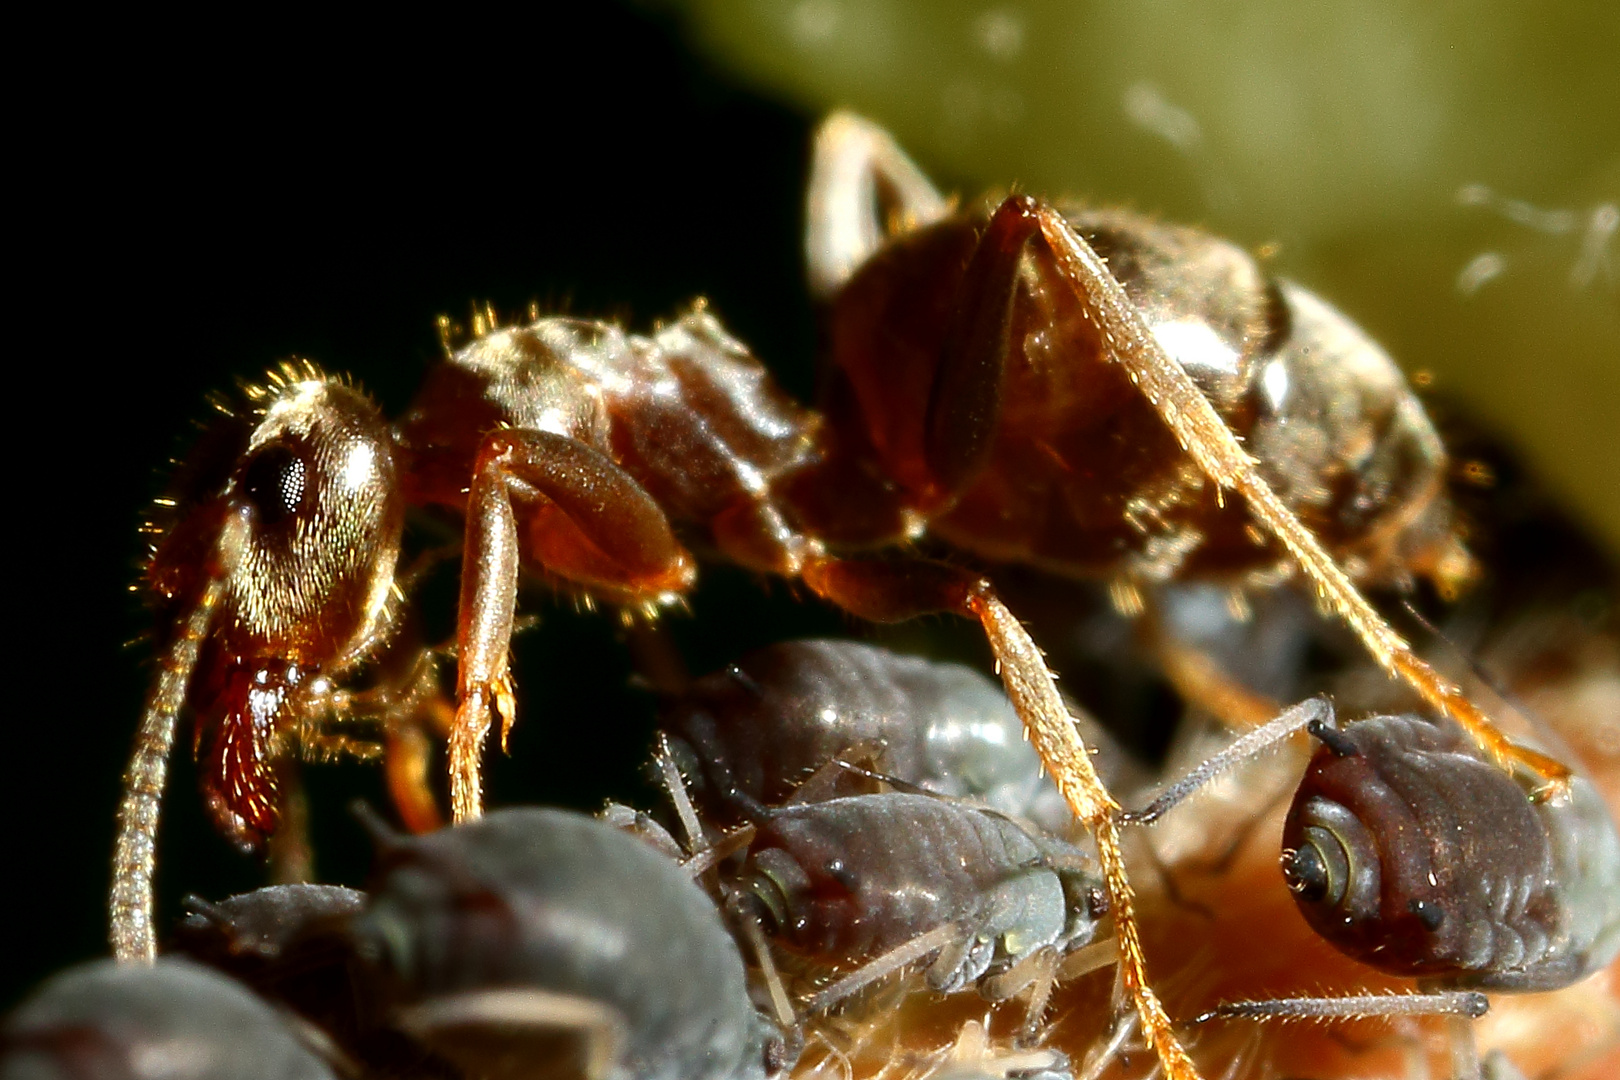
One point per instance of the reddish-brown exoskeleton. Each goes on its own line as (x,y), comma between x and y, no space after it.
(994,382)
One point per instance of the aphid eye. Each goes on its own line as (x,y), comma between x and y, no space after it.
(1430,914)
(275,481)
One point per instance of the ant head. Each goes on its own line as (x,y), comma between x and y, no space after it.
(293,504)
(321,513)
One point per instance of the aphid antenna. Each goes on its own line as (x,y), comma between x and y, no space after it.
(895,959)
(1317,711)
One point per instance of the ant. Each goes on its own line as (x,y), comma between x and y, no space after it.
(993,383)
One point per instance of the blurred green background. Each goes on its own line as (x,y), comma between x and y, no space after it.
(1437,170)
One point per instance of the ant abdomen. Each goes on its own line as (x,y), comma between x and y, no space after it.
(1408,851)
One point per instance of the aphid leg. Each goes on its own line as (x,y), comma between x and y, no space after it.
(745,917)
(833,779)
(480,1029)
(596,526)
(890,591)
(863,189)
(1205,436)
(879,967)
(1317,711)
(130,907)
(1037,971)
(643,827)
(1464,1051)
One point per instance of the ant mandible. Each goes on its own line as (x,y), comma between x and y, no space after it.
(993,382)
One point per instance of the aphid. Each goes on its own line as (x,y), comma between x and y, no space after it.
(531,935)
(887,880)
(758,729)
(1408,852)
(290,943)
(174,1020)
(260,926)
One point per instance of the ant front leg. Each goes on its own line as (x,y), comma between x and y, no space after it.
(1205,436)
(863,190)
(588,522)
(893,591)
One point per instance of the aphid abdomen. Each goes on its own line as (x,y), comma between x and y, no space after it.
(759,728)
(871,872)
(561,903)
(172,1020)
(1581,927)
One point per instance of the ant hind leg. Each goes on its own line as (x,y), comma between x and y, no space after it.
(1207,439)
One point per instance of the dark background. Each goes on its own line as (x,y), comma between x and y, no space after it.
(195,215)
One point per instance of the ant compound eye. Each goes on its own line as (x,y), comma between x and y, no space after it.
(275,481)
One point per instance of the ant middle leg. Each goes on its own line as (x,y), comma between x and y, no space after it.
(587,522)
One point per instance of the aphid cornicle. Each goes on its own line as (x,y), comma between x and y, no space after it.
(175,1020)
(754,731)
(890,879)
(509,943)
(1407,851)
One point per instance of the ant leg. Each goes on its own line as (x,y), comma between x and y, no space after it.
(1205,436)
(891,591)
(858,172)
(407,761)
(588,521)
(291,858)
